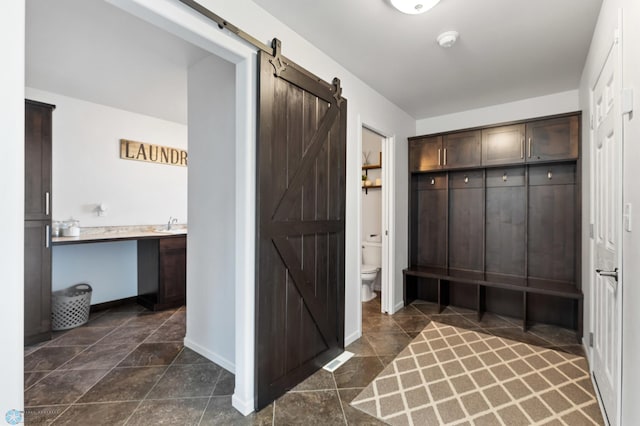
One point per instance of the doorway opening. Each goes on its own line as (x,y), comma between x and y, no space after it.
(376,287)
(371,216)
(221,215)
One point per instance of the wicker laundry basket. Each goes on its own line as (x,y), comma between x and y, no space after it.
(70,307)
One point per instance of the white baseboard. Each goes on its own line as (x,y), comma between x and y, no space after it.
(245,407)
(353,337)
(397,307)
(211,356)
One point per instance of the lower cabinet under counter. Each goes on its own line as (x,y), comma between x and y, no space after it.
(162,272)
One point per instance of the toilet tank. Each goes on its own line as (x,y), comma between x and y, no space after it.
(372,253)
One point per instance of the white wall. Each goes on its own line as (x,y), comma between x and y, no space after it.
(557,103)
(111,269)
(211,279)
(607,22)
(12,14)
(87,168)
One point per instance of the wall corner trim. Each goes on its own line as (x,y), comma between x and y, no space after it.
(245,407)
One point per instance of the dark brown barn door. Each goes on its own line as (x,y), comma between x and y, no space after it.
(301,164)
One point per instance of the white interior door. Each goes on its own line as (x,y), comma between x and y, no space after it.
(606,288)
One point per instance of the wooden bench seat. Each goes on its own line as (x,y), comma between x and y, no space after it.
(478,279)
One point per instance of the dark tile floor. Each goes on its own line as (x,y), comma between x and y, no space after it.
(128,366)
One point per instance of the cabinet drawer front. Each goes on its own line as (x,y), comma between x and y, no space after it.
(466,179)
(173,243)
(508,176)
(503,145)
(552,174)
(425,154)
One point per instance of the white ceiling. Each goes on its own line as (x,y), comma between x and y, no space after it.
(90,50)
(508,50)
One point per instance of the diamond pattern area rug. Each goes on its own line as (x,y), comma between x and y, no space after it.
(452,376)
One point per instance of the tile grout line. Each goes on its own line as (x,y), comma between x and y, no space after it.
(344,415)
(159,378)
(100,378)
(123,325)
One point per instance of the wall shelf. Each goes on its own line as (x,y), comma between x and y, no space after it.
(367,188)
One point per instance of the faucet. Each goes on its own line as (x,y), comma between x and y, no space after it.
(172,220)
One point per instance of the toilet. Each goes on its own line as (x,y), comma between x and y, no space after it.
(371,262)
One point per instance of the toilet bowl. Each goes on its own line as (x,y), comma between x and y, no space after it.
(368,275)
(371,261)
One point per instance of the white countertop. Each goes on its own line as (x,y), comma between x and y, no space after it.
(115,233)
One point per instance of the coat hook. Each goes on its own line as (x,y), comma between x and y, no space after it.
(549,174)
(504,177)
(433,181)
(466,179)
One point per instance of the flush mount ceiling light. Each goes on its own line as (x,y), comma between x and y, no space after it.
(447,38)
(413,7)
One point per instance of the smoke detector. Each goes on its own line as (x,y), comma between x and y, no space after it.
(414,7)
(447,39)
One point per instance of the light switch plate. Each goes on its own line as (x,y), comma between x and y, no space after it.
(627,217)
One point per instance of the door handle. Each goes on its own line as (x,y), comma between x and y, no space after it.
(439,157)
(613,274)
(47,236)
(47,201)
(445,156)
(529,148)
(522,148)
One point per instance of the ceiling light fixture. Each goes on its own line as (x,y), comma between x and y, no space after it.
(414,7)
(447,38)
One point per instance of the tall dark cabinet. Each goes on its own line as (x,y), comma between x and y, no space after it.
(37,222)
(496,227)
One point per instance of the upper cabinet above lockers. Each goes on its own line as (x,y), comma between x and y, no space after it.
(553,139)
(541,140)
(503,145)
(450,151)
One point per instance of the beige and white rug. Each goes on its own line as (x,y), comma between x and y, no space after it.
(449,375)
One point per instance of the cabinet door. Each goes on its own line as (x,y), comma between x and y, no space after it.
(173,270)
(503,145)
(37,281)
(552,229)
(461,149)
(553,139)
(37,200)
(429,221)
(425,154)
(506,202)
(466,217)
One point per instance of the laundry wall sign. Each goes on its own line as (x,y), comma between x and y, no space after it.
(141,151)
